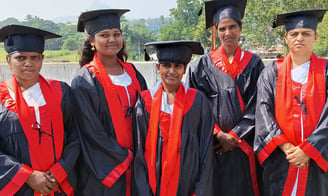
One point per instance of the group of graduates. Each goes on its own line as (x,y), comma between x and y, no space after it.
(235,127)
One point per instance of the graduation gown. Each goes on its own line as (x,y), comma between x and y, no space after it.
(291,112)
(106,146)
(232,99)
(23,150)
(184,171)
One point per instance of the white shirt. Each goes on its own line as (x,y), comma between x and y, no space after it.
(300,73)
(33,97)
(122,80)
(165,107)
(241,57)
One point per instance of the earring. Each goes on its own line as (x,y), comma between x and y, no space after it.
(93,47)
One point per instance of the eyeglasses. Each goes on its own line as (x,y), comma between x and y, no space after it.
(37,126)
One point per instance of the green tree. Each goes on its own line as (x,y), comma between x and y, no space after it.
(9,21)
(201,33)
(260,14)
(136,35)
(71,39)
(184,21)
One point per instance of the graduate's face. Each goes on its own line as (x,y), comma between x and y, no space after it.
(171,73)
(301,40)
(108,42)
(229,32)
(26,66)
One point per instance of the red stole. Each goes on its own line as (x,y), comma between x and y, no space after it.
(51,118)
(122,129)
(288,111)
(314,98)
(233,69)
(122,125)
(170,171)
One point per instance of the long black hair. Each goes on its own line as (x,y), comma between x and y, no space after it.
(86,54)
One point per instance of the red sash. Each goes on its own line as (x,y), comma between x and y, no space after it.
(314,99)
(287,111)
(122,127)
(113,101)
(233,69)
(222,62)
(51,120)
(170,172)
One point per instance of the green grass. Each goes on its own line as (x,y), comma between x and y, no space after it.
(3,55)
(50,56)
(61,56)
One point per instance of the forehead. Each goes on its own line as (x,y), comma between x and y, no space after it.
(227,22)
(114,30)
(16,54)
(301,30)
(171,64)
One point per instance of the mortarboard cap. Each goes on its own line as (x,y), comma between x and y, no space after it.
(98,20)
(19,38)
(300,19)
(217,10)
(176,51)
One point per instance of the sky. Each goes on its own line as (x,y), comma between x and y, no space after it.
(54,9)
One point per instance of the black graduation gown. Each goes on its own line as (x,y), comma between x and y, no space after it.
(100,152)
(232,169)
(196,165)
(275,166)
(14,147)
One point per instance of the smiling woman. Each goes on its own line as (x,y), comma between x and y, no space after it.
(105,89)
(172,133)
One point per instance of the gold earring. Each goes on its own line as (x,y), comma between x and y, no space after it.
(93,47)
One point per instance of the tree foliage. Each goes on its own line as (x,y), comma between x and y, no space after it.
(260,14)
(184,21)
(257,23)
(136,35)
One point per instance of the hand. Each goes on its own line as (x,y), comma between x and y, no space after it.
(297,157)
(226,142)
(51,175)
(286,147)
(42,182)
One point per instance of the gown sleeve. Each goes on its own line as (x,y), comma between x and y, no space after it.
(204,184)
(71,149)
(140,123)
(268,134)
(13,171)
(245,127)
(316,144)
(13,174)
(101,153)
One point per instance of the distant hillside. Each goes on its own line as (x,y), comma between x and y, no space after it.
(66,19)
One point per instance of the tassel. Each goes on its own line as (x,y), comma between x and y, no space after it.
(200,11)
(147,57)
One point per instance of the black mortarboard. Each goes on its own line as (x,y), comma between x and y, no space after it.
(217,10)
(19,38)
(98,20)
(300,19)
(176,51)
